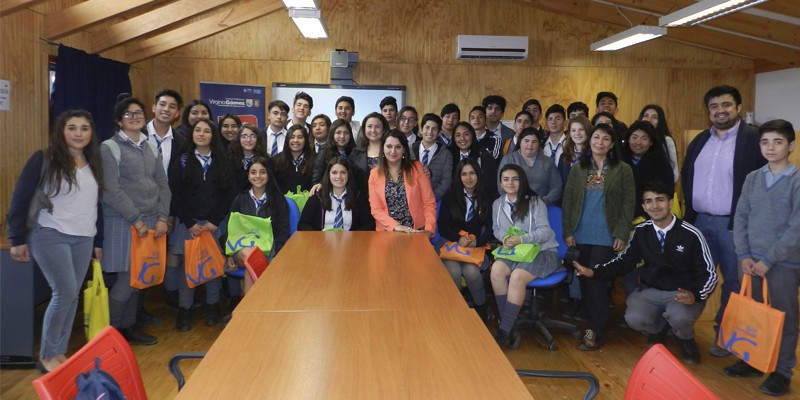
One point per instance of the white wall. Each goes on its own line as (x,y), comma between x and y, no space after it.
(778,96)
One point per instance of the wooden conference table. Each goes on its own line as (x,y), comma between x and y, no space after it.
(355,315)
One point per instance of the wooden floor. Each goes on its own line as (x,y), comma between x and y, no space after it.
(612,364)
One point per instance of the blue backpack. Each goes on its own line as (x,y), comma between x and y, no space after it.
(97,384)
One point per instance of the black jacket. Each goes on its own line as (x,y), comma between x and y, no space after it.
(313,216)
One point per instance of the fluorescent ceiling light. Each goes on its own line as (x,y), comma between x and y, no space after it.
(704,11)
(635,35)
(309,21)
(301,4)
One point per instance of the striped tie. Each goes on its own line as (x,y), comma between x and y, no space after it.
(425,158)
(464,156)
(512,206)
(338,221)
(158,143)
(206,160)
(662,237)
(297,162)
(247,161)
(471,207)
(343,155)
(319,146)
(274,151)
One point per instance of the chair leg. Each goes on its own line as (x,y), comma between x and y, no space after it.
(591,391)
(175,369)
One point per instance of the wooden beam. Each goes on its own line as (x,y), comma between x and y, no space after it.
(85,14)
(230,17)
(785,7)
(9,6)
(751,25)
(159,18)
(698,36)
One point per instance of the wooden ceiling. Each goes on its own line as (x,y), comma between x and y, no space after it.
(769,33)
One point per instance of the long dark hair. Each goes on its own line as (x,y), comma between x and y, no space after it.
(327,186)
(188,110)
(272,189)
(656,150)
(284,160)
(663,127)
(525,195)
(613,156)
(61,166)
(406,165)
(362,137)
(455,196)
(474,148)
(220,159)
(235,150)
(330,149)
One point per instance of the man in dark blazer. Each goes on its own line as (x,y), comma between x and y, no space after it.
(716,163)
(436,159)
(495,108)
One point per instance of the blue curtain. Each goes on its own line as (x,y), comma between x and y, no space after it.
(90,82)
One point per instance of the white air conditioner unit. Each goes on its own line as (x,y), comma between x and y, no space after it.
(481,47)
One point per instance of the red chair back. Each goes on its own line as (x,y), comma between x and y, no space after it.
(659,376)
(256,263)
(116,358)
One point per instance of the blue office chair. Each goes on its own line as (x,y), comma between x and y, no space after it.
(294,215)
(538,319)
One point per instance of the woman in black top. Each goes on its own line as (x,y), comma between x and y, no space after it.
(202,188)
(322,211)
(465,218)
(293,164)
(466,146)
(193,112)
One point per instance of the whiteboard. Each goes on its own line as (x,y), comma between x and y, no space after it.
(367,97)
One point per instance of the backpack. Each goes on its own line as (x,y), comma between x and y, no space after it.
(97,384)
(115,152)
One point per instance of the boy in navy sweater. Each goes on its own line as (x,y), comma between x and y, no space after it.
(766,233)
(677,276)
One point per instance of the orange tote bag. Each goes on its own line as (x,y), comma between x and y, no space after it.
(751,330)
(203,260)
(148,259)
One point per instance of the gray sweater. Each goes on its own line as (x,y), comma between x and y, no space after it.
(536,224)
(766,225)
(136,185)
(543,177)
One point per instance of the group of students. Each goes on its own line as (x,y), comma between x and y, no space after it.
(386,173)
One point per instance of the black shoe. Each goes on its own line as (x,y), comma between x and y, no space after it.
(234,302)
(515,338)
(657,338)
(213,314)
(501,337)
(172,299)
(482,311)
(775,385)
(135,336)
(689,352)
(144,318)
(591,341)
(184,321)
(741,370)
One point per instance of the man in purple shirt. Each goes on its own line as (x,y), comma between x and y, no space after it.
(716,163)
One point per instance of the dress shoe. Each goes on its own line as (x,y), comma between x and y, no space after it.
(172,299)
(689,352)
(184,321)
(213,314)
(775,385)
(501,337)
(514,339)
(135,336)
(741,370)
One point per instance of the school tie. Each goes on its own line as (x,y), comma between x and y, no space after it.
(464,156)
(662,237)
(343,155)
(158,143)
(319,146)
(338,221)
(274,150)
(246,162)
(206,161)
(553,152)
(259,202)
(471,207)
(512,206)
(297,163)
(425,158)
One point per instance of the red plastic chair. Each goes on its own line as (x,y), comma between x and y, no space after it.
(116,358)
(256,263)
(659,376)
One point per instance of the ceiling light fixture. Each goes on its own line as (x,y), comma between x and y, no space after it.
(630,37)
(309,21)
(301,4)
(704,11)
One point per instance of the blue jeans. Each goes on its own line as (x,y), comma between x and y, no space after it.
(720,242)
(64,260)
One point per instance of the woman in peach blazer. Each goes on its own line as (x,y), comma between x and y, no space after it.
(404,202)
